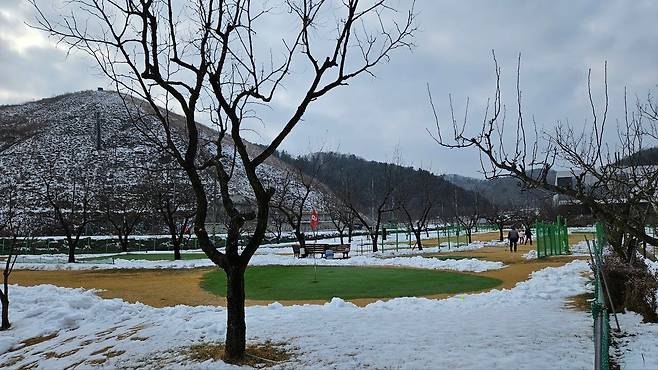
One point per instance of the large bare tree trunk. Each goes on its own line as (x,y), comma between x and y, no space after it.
(236,328)
(176,243)
(301,239)
(418,235)
(4,297)
(217,39)
(72,246)
(123,241)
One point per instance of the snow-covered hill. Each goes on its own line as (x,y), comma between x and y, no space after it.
(94,139)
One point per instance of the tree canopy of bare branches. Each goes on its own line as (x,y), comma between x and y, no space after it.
(605,176)
(214,57)
(605,180)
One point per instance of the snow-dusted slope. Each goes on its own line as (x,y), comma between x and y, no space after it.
(60,136)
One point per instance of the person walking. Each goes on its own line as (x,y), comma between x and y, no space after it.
(528,235)
(513,237)
(521,236)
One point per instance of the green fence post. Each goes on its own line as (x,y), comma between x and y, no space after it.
(447,231)
(397,240)
(537,238)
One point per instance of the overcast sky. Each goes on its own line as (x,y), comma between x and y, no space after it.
(559,41)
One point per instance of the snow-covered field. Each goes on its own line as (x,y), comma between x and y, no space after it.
(526,327)
(470,264)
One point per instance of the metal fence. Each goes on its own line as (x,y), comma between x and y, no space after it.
(552,239)
(600,311)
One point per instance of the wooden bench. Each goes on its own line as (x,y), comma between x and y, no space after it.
(313,249)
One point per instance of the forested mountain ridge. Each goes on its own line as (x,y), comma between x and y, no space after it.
(365,181)
(504,192)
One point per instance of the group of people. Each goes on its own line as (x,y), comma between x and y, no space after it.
(515,237)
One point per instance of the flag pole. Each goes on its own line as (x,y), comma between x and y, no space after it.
(315,264)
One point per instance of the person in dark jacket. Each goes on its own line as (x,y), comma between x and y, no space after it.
(513,237)
(528,235)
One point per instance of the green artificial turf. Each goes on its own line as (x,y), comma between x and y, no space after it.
(299,283)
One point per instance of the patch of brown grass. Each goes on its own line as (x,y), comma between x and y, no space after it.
(38,339)
(106,353)
(258,355)
(12,361)
(111,354)
(52,354)
(31,365)
(74,365)
(580,302)
(106,331)
(96,362)
(102,350)
(132,331)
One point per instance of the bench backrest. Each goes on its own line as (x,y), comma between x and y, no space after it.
(320,248)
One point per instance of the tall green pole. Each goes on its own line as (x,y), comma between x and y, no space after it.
(448,235)
(397,238)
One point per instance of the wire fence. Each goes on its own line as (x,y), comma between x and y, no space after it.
(55,260)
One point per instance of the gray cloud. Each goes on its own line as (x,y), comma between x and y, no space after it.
(559,41)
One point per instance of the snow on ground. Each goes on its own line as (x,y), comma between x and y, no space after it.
(581,249)
(531,255)
(652,265)
(583,229)
(470,264)
(637,348)
(526,327)
(389,251)
(269,255)
(578,249)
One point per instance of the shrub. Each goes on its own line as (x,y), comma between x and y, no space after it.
(632,287)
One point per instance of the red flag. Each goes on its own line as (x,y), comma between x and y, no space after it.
(314,220)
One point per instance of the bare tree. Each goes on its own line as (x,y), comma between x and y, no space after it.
(171,197)
(604,176)
(342,217)
(207,56)
(124,207)
(501,217)
(277,224)
(291,199)
(601,180)
(11,221)
(467,221)
(417,207)
(69,193)
(381,203)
